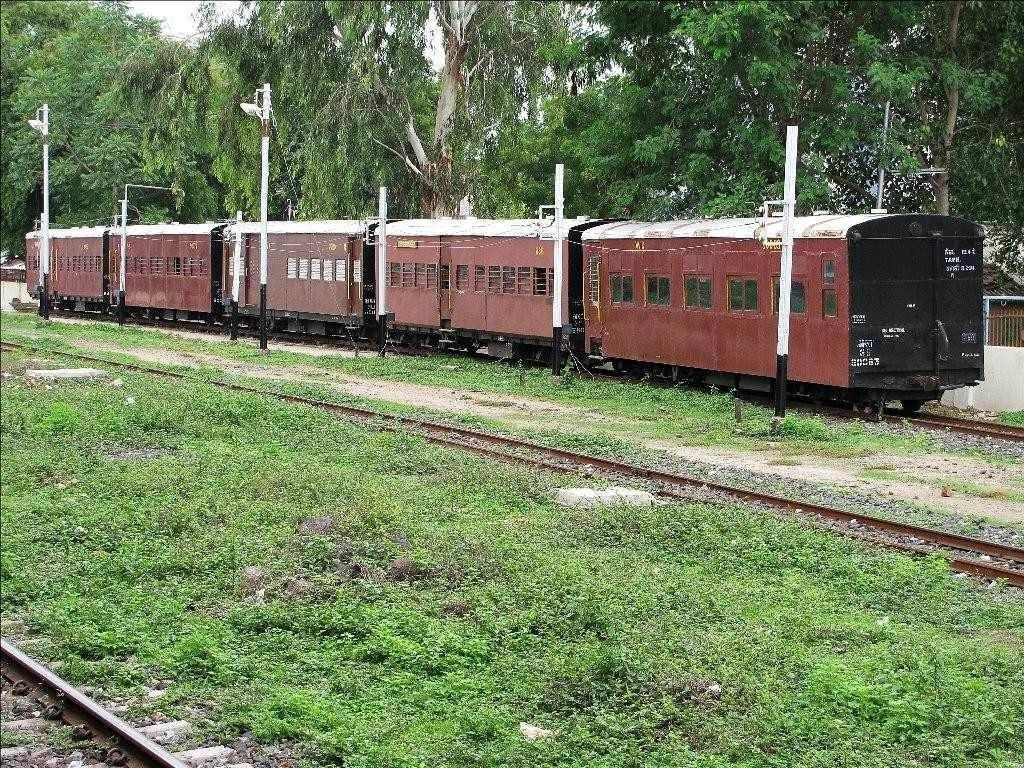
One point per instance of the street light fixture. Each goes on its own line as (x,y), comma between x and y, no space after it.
(41,124)
(260,109)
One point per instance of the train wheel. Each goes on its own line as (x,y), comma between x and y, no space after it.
(911,406)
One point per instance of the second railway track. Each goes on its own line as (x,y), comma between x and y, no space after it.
(966,554)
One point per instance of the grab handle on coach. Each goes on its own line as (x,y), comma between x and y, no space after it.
(940,331)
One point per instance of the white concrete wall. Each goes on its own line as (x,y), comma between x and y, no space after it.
(9,291)
(1003,387)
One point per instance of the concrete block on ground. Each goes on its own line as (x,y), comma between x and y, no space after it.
(589,498)
(164,733)
(204,755)
(66,373)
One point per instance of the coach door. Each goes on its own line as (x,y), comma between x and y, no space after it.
(956,286)
(444,283)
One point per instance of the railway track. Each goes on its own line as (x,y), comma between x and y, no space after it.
(114,742)
(966,426)
(974,427)
(965,554)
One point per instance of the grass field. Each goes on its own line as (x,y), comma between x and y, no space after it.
(382,602)
(686,416)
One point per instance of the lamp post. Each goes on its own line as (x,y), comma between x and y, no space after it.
(41,123)
(123,261)
(260,109)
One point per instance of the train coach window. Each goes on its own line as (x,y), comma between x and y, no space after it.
(446,278)
(394,273)
(829,303)
(659,290)
(698,292)
(461,277)
(494,279)
(303,269)
(828,272)
(328,273)
(430,273)
(622,289)
(742,295)
(523,286)
(293,267)
(408,275)
(540,281)
(315,269)
(797,297)
(508,279)
(479,279)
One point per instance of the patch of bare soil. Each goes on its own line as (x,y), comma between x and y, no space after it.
(931,469)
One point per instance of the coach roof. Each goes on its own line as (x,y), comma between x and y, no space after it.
(58,234)
(477,227)
(823,226)
(327,227)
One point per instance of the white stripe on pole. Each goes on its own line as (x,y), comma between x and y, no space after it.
(382,251)
(556,289)
(44,258)
(124,242)
(786,268)
(237,257)
(264,181)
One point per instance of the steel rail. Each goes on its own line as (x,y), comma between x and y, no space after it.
(471,439)
(898,417)
(968,426)
(122,745)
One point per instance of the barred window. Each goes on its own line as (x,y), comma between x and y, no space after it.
(540,281)
(408,275)
(461,277)
(508,279)
(421,275)
(394,273)
(523,286)
(341,270)
(494,279)
(328,274)
(303,269)
(828,272)
(479,279)
(430,277)
(314,269)
(445,279)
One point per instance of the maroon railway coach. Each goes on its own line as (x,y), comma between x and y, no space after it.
(883,307)
(173,270)
(463,283)
(78,266)
(314,273)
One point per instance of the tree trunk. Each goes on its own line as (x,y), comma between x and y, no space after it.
(438,197)
(943,151)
